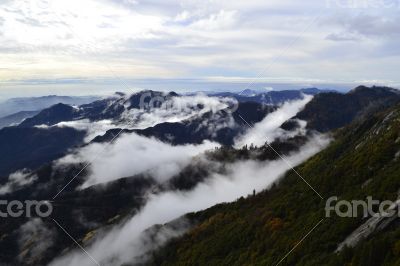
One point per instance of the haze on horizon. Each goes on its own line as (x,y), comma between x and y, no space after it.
(92,46)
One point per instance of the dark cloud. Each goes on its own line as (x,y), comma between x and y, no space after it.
(342,37)
(365,25)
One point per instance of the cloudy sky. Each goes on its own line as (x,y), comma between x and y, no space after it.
(124,43)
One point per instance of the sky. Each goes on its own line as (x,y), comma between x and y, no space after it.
(93,46)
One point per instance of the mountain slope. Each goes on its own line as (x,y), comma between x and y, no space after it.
(332,110)
(16,118)
(32,147)
(55,114)
(262,229)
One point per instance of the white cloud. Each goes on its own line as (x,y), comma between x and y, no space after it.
(92,128)
(132,154)
(269,128)
(17,180)
(74,24)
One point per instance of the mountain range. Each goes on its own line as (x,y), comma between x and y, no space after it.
(15,110)
(344,145)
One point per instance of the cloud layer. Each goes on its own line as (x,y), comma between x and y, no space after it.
(125,242)
(317,40)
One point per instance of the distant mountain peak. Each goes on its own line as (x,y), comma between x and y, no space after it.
(311,90)
(377,89)
(52,115)
(121,94)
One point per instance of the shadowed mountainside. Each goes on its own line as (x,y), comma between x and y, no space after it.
(33,147)
(332,110)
